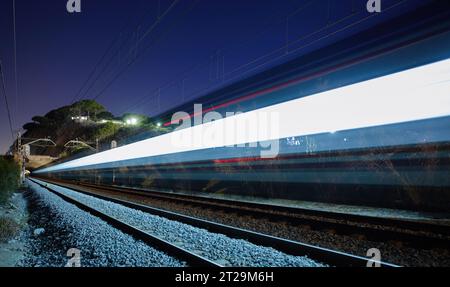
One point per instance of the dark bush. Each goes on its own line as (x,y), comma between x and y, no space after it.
(9,178)
(8,229)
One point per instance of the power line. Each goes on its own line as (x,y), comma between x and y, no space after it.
(158,20)
(141,54)
(267,26)
(15,58)
(6,101)
(92,73)
(155,24)
(74,99)
(110,47)
(113,42)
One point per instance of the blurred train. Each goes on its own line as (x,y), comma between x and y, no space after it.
(365,121)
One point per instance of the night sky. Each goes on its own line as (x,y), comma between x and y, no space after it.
(197,46)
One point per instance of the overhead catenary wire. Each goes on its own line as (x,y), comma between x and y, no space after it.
(284,48)
(75,98)
(291,51)
(303,6)
(154,93)
(118,38)
(15,59)
(268,25)
(6,100)
(145,34)
(162,34)
(229,75)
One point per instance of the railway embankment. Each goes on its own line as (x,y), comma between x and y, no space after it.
(13,214)
(13,230)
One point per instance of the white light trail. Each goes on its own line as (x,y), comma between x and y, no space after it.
(415,94)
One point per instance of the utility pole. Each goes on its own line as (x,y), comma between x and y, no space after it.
(19,142)
(21,156)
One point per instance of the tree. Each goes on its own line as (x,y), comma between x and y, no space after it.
(87,107)
(105,131)
(105,115)
(30,127)
(40,120)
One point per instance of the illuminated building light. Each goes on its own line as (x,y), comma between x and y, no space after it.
(131,121)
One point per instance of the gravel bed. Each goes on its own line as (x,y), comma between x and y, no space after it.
(216,247)
(56,226)
(391,251)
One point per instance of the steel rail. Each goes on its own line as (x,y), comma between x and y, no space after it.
(325,255)
(345,223)
(191,258)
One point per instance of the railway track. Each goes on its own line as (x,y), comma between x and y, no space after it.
(327,256)
(417,234)
(176,251)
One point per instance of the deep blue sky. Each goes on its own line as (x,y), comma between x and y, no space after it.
(57,50)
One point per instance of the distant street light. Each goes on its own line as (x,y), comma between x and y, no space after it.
(158,125)
(132,121)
